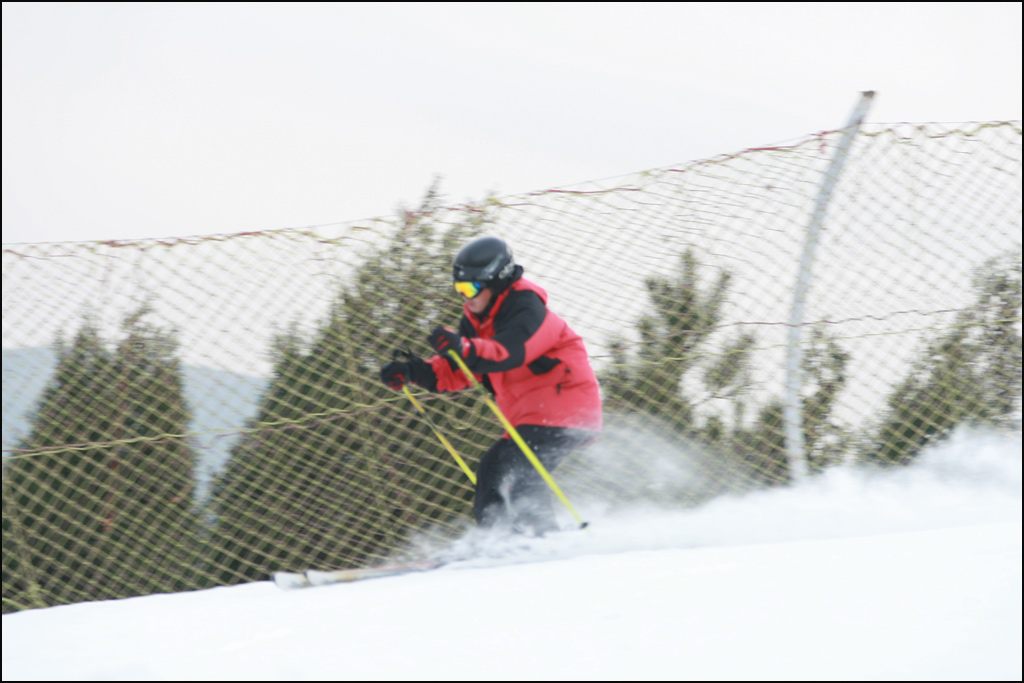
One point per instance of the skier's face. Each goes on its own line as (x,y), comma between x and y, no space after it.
(479,302)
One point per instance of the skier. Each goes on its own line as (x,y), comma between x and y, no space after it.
(536,367)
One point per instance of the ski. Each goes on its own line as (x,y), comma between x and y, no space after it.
(313,577)
(289,580)
(485,550)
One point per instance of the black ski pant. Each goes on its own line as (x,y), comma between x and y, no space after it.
(510,493)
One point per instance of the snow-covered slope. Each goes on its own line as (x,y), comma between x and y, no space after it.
(914,574)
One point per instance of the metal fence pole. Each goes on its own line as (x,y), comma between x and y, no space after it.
(793,407)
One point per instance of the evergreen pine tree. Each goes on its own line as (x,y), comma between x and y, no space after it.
(671,337)
(98,503)
(676,373)
(969,374)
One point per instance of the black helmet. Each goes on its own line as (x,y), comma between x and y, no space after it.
(484,260)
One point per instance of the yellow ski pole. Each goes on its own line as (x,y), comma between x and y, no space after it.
(447,444)
(514,433)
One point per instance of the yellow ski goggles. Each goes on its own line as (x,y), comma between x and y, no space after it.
(469,289)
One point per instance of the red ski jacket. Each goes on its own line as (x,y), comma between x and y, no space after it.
(536,365)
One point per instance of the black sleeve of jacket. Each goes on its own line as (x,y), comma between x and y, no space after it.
(520,316)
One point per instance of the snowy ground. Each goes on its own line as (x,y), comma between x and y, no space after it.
(914,574)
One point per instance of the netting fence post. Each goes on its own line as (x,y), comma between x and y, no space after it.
(793,401)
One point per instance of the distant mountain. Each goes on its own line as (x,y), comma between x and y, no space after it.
(221,403)
(26,372)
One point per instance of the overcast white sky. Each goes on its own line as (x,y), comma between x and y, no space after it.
(152,120)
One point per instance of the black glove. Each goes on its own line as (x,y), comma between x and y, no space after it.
(443,339)
(397,373)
